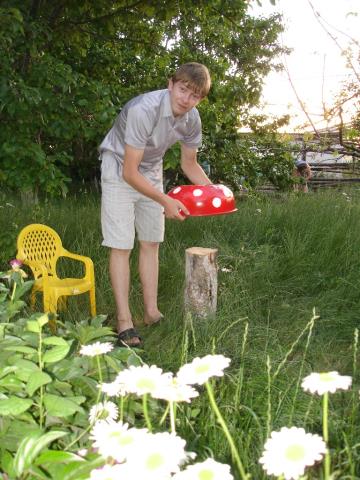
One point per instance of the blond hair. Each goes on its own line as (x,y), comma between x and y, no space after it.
(195,76)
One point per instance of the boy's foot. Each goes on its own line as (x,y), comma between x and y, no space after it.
(151,320)
(129,337)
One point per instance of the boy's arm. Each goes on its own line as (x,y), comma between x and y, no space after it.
(191,168)
(133,177)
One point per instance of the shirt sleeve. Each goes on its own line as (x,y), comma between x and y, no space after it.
(138,127)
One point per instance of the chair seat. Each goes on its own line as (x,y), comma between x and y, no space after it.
(66,286)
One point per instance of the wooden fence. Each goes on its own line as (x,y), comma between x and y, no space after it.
(333,175)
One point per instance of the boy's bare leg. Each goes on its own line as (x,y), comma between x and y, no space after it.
(120,280)
(149,275)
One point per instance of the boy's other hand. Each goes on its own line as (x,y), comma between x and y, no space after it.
(176,210)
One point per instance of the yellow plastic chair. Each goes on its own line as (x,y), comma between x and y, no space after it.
(40,247)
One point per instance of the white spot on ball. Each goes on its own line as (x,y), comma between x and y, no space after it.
(216,202)
(177,190)
(197,192)
(227,192)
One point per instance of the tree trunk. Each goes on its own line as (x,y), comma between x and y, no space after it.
(201,281)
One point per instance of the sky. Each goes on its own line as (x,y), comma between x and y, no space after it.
(316,66)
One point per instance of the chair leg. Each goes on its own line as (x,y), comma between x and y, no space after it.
(32,299)
(92,302)
(50,305)
(62,303)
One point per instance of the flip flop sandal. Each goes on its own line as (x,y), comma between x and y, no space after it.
(126,335)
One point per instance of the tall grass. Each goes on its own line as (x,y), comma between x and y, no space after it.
(289,305)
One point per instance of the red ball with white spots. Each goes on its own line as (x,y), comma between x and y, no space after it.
(202,200)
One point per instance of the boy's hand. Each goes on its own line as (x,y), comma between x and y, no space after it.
(175,210)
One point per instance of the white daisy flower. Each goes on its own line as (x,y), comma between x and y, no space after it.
(143,379)
(107,472)
(113,389)
(321,383)
(175,391)
(157,456)
(96,348)
(209,470)
(290,451)
(116,439)
(106,411)
(201,369)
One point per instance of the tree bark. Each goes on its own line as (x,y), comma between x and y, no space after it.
(201,281)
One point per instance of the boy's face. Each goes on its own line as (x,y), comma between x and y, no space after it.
(182,98)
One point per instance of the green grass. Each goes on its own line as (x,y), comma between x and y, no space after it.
(288,255)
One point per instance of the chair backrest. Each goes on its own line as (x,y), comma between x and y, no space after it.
(37,245)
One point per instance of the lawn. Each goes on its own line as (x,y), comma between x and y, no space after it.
(288,305)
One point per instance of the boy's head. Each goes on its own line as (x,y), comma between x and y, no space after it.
(195,76)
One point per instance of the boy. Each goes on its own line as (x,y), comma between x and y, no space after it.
(132,189)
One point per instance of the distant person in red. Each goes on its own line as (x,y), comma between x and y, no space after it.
(302,173)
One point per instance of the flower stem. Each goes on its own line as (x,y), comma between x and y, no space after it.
(229,438)
(41,366)
(79,437)
(121,413)
(13,292)
(326,436)
(172,416)
(99,368)
(146,413)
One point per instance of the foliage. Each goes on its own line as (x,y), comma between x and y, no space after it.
(45,393)
(277,259)
(67,69)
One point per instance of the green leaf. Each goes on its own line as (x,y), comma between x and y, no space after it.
(6,370)
(22,289)
(7,463)
(21,348)
(25,368)
(77,470)
(57,353)
(30,447)
(12,384)
(43,319)
(36,381)
(60,406)
(14,405)
(54,341)
(33,326)
(56,456)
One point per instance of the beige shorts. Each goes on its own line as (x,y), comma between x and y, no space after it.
(126,212)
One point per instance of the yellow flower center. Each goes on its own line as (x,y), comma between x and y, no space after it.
(126,440)
(206,475)
(146,384)
(154,461)
(202,368)
(103,414)
(115,436)
(326,377)
(295,452)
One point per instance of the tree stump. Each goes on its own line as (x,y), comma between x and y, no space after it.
(201,281)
